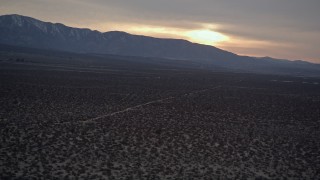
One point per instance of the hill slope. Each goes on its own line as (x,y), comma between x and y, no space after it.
(29,32)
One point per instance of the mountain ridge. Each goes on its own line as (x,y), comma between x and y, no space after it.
(103,35)
(29,32)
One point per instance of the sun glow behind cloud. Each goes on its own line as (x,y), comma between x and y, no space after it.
(200,35)
(207,37)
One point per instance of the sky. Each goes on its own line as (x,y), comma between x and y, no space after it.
(288,29)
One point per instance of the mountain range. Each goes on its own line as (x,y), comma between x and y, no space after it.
(28,32)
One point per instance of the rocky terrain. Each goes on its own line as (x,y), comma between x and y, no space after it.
(115,122)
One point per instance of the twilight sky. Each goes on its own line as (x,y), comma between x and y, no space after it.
(278,28)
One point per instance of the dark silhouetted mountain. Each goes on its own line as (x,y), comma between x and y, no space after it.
(29,32)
